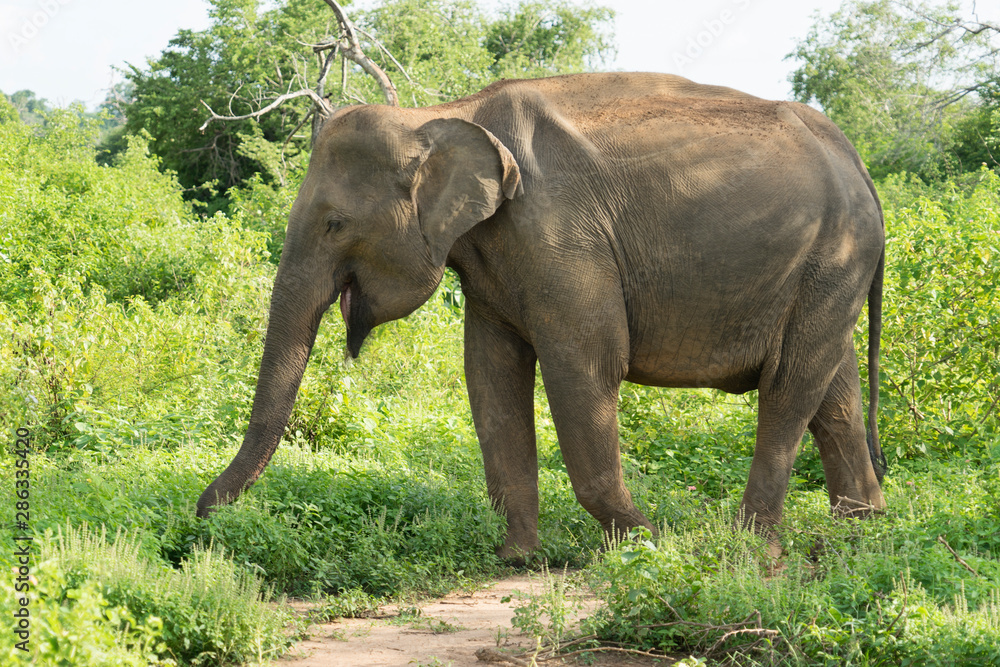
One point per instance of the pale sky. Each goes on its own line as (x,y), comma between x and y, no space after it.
(64,50)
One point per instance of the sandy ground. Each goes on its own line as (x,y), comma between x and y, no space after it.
(447,632)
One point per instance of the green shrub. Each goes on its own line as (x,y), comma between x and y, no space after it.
(96,601)
(73,623)
(848,592)
(940,373)
(317,522)
(212,611)
(124,227)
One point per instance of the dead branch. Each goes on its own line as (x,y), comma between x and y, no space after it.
(729,630)
(764,633)
(601,649)
(278,101)
(345,44)
(351,48)
(859,507)
(957,557)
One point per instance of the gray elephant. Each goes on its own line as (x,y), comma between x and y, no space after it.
(609,227)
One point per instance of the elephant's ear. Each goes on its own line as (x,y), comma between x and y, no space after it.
(464,177)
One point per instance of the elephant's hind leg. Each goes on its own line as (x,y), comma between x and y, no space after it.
(790,391)
(500,375)
(839,429)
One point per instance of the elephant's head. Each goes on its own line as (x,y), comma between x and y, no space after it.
(387,194)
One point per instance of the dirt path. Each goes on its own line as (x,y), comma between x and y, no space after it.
(448,631)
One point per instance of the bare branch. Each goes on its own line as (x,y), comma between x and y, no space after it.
(972,27)
(347,45)
(400,67)
(278,101)
(352,51)
(957,557)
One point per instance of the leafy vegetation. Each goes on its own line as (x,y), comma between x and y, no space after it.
(913,86)
(434,51)
(941,329)
(132,323)
(104,603)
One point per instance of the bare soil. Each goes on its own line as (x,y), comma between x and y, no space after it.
(448,631)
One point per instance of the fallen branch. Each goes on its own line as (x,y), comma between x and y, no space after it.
(957,557)
(761,632)
(611,649)
(859,506)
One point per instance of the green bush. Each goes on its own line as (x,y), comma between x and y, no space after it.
(73,623)
(940,373)
(96,601)
(856,597)
(125,227)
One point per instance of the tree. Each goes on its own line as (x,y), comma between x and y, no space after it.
(907,83)
(251,57)
(548,38)
(232,65)
(30,107)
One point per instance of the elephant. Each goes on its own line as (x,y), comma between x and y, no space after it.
(604,227)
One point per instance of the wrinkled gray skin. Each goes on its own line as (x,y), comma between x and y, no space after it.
(610,227)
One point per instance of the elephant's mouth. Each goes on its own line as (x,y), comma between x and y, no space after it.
(345,304)
(357,314)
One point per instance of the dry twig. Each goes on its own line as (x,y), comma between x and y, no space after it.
(278,101)
(957,557)
(859,506)
(351,49)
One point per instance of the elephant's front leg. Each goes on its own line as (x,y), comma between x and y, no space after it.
(500,375)
(582,378)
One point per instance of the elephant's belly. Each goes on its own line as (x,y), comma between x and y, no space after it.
(732,384)
(731,373)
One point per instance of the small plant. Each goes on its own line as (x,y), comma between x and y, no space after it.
(690,661)
(353,603)
(548,616)
(434,625)
(434,662)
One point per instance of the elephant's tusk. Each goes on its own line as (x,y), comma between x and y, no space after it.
(345,304)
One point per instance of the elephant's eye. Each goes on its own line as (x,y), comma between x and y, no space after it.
(334,225)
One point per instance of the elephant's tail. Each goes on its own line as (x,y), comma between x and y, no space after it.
(874,342)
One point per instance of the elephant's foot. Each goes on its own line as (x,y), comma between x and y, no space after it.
(516,554)
(619,528)
(767,529)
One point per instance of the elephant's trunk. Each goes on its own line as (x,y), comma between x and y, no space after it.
(295,314)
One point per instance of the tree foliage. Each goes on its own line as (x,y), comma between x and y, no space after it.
(941,319)
(30,107)
(910,84)
(434,51)
(246,53)
(539,39)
